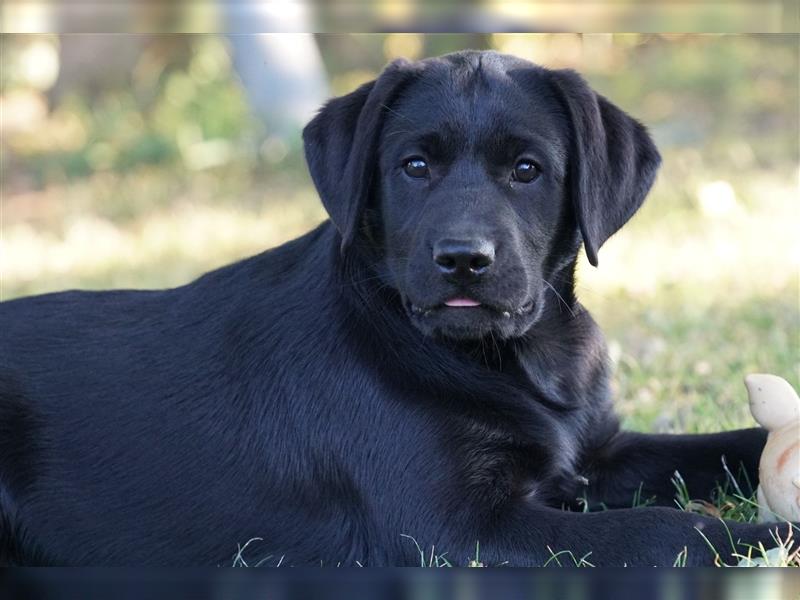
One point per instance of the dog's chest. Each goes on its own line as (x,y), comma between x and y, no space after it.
(496,466)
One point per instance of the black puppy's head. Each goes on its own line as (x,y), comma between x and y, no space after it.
(475,176)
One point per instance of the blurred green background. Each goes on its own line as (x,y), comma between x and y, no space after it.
(145,160)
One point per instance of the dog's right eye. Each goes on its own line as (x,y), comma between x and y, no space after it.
(416,167)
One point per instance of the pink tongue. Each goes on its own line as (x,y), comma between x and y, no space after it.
(457,302)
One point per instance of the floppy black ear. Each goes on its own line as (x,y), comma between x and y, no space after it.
(613,161)
(341,146)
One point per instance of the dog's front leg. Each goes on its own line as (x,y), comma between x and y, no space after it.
(648,536)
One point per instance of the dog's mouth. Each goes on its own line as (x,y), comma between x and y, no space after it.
(466,305)
(468,317)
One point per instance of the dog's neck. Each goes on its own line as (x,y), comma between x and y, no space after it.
(563,334)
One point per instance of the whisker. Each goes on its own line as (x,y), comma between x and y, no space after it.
(564,302)
(497,349)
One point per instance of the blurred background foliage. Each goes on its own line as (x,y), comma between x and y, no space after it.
(145,160)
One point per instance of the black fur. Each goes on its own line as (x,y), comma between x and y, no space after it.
(304,397)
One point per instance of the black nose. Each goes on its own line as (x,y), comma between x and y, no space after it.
(463,259)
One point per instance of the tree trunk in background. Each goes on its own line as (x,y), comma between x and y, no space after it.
(282,73)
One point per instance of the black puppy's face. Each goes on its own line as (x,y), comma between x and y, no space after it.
(473,200)
(474,177)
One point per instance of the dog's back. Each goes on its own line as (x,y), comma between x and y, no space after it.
(113,405)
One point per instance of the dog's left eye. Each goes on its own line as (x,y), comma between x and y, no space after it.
(526,171)
(416,167)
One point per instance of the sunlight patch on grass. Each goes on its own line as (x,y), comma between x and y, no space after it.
(163,248)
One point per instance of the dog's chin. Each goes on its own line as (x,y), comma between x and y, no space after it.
(474,322)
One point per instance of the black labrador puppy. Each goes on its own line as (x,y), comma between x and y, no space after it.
(417,366)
